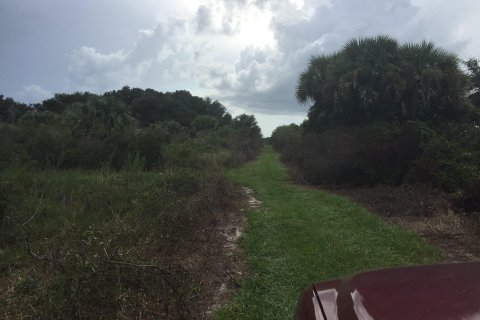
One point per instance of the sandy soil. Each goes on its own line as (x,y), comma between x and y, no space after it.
(229,265)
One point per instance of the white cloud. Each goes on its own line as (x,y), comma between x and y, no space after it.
(269,122)
(32,94)
(95,71)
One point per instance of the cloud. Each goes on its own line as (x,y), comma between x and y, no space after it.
(204,18)
(92,70)
(32,94)
(267,85)
(249,53)
(320,29)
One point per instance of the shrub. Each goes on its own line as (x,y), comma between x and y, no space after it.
(287,140)
(13,152)
(393,154)
(362,155)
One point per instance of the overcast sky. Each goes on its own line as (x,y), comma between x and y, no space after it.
(245,53)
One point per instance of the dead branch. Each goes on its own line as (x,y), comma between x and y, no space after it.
(237,284)
(299,176)
(50,256)
(36,211)
(143,266)
(25,236)
(30,251)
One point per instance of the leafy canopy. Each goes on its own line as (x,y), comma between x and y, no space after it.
(378,79)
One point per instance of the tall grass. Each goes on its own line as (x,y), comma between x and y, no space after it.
(91,244)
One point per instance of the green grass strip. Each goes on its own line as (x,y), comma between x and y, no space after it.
(301,235)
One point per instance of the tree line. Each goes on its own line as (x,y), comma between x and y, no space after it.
(382,112)
(86,130)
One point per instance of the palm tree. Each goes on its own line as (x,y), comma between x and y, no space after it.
(377,79)
(437,84)
(317,85)
(99,115)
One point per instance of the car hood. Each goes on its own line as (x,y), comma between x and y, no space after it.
(448,291)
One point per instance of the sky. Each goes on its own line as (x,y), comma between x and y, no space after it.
(247,54)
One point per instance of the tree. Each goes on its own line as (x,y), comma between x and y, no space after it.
(377,79)
(246,137)
(61,101)
(287,140)
(150,143)
(436,86)
(11,111)
(474,75)
(204,123)
(85,130)
(45,137)
(99,115)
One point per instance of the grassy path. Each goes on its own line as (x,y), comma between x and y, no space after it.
(302,235)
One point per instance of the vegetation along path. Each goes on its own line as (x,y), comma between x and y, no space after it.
(301,235)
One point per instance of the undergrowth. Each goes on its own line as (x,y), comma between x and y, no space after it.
(100,244)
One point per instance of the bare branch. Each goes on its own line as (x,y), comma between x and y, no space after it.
(33,254)
(235,281)
(36,211)
(136,265)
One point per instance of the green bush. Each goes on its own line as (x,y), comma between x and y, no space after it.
(414,152)
(450,159)
(362,155)
(13,151)
(287,140)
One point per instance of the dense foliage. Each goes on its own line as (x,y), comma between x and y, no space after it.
(474,75)
(385,113)
(84,130)
(377,79)
(109,203)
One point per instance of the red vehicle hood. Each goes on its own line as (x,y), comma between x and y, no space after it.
(448,291)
